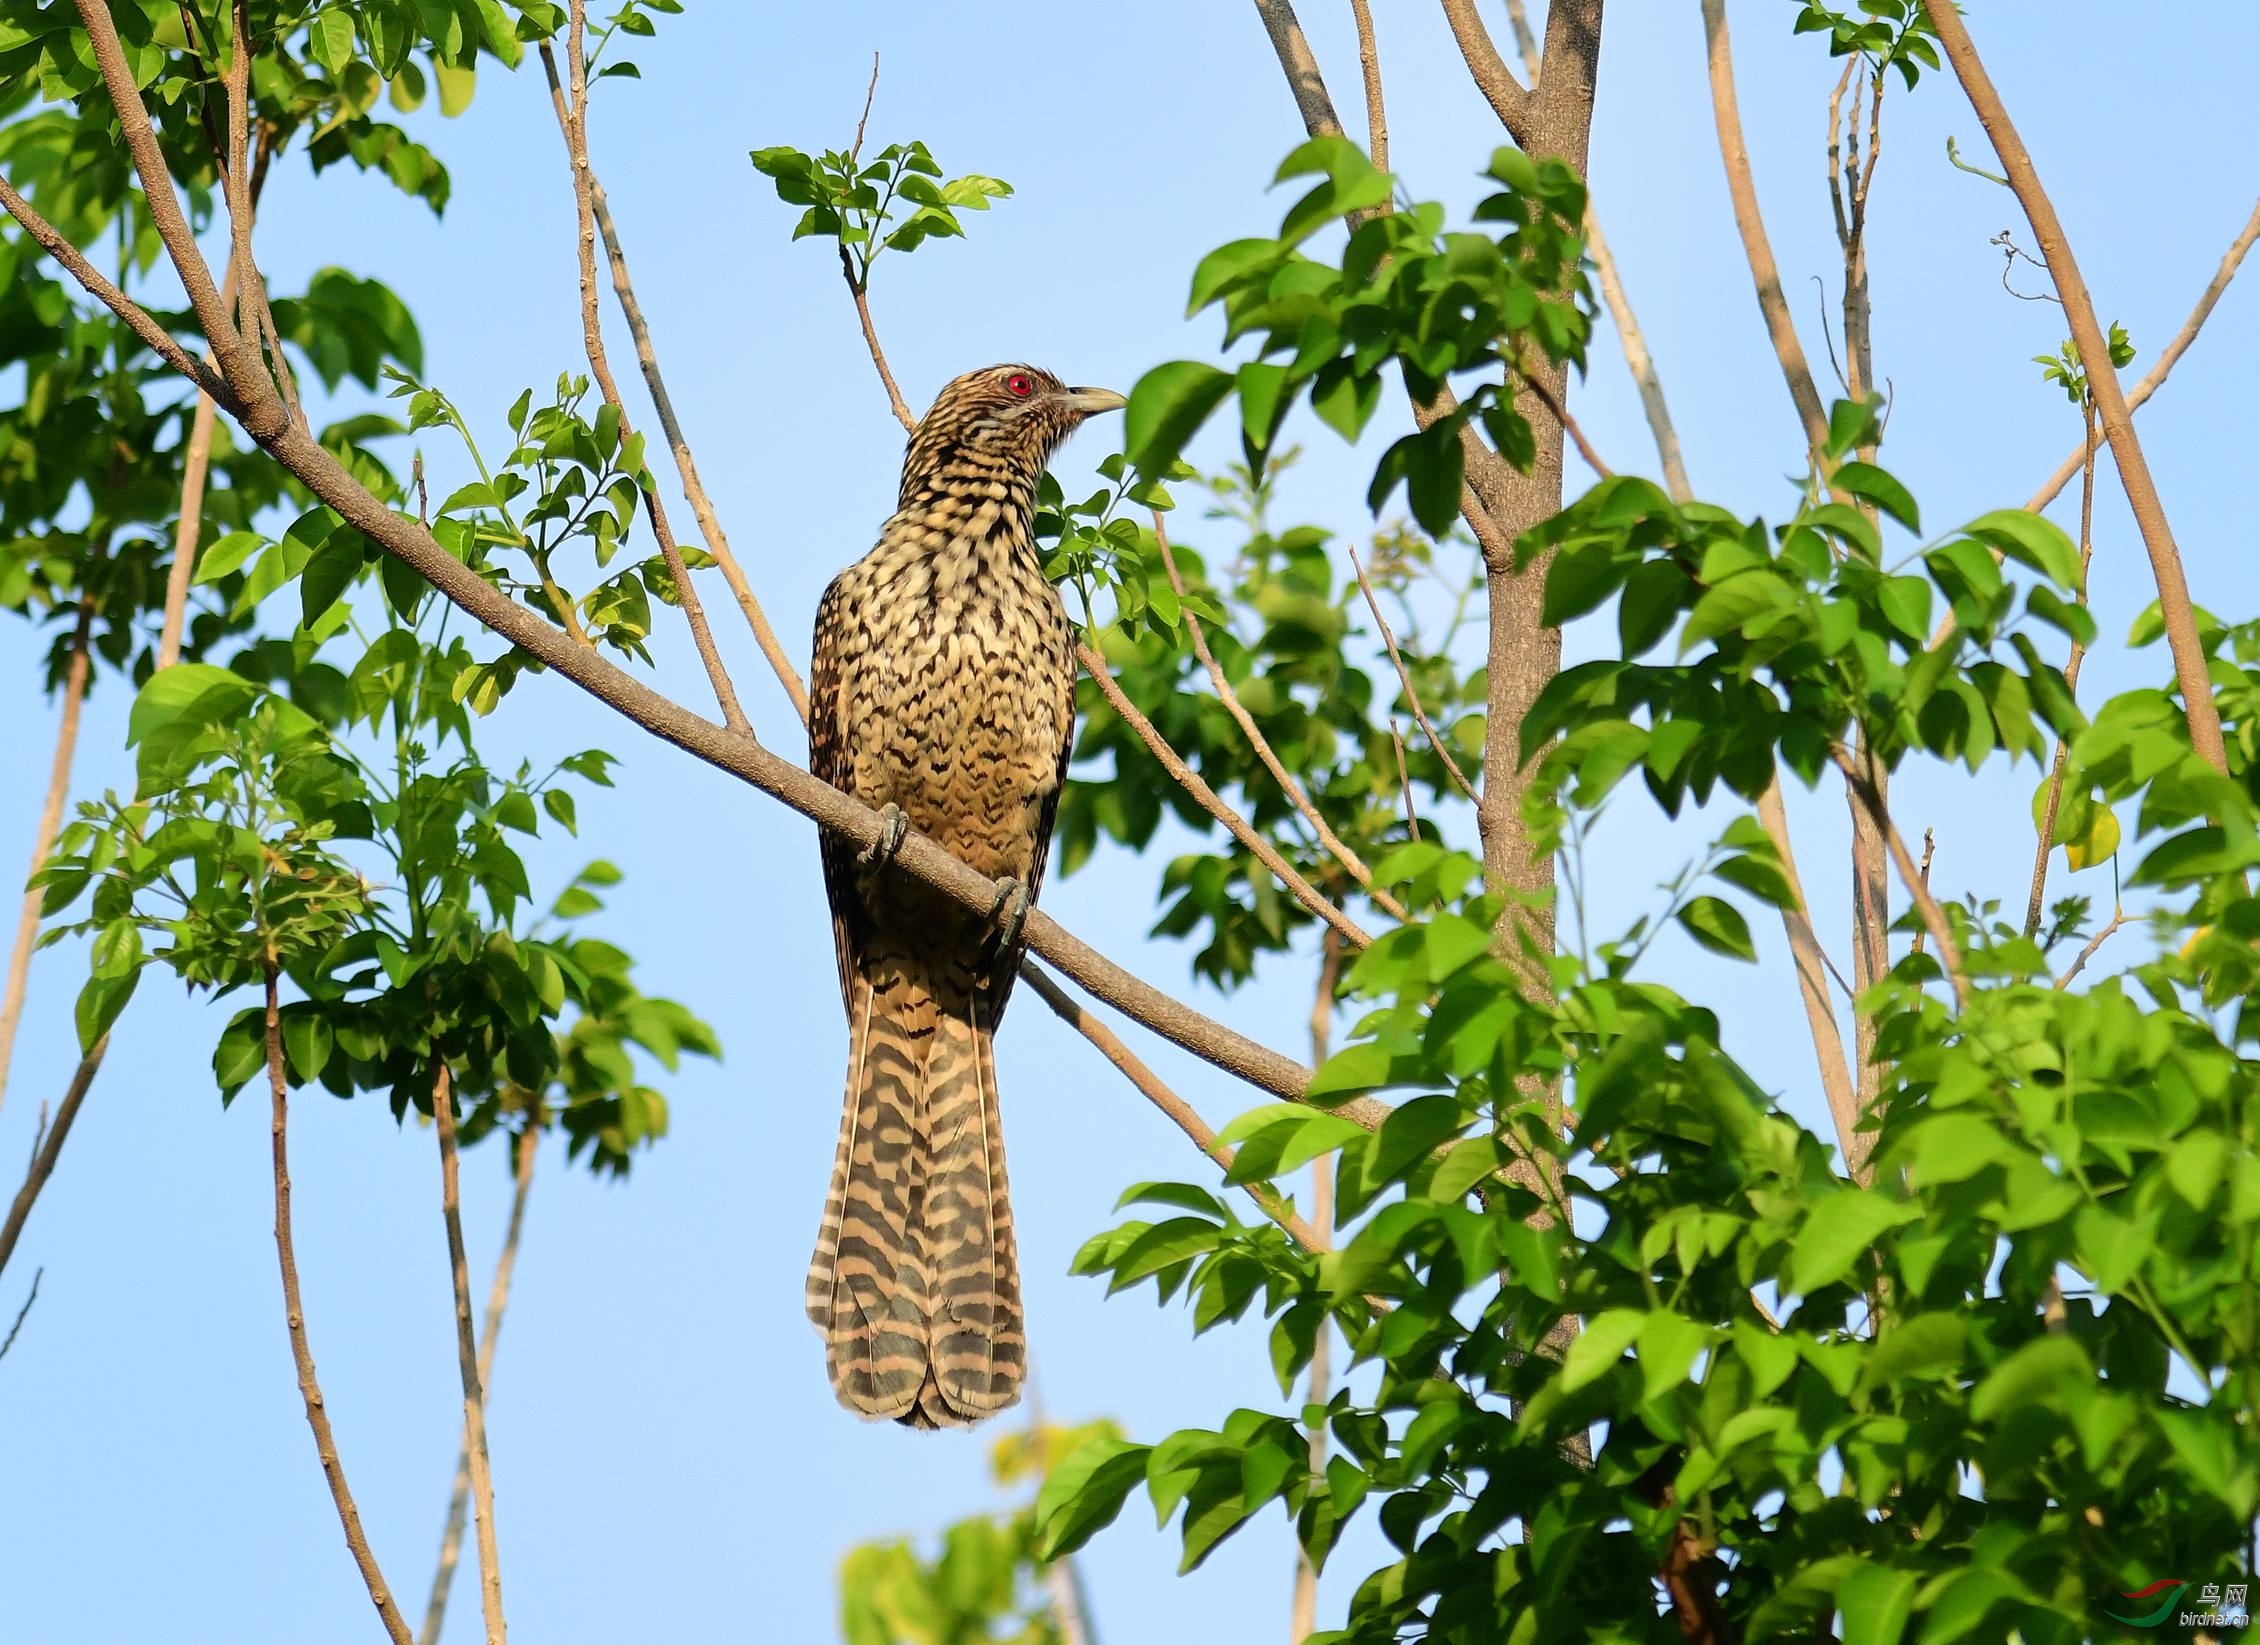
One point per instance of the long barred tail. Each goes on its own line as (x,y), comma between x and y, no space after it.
(915,1285)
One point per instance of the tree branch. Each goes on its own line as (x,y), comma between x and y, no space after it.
(1404,678)
(467,1357)
(259,408)
(1176,1107)
(490,1332)
(23,1313)
(2135,479)
(161,342)
(1757,249)
(572,119)
(43,837)
(1207,798)
(1296,794)
(2054,802)
(1369,66)
(1864,793)
(717,542)
(1811,962)
(1303,1610)
(2160,367)
(1508,100)
(309,1386)
(50,1149)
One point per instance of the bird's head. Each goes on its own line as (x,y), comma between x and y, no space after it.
(1007,418)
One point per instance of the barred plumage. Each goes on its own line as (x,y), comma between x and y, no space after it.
(943,685)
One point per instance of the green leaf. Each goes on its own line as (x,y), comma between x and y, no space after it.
(1837,1232)
(1719,926)
(1600,1346)
(1876,1601)
(329,574)
(1875,485)
(2040,1370)
(2035,541)
(1081,1496)
(1166,408)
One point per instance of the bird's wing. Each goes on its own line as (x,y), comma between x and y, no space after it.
(828,760)
(1007,966)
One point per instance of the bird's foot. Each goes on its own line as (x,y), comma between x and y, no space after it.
(1009,913)
(894,828)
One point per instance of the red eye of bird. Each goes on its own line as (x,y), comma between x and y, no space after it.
(1018,386)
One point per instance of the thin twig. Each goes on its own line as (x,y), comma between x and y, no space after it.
(1207,798)
(1404,779)
(467,1359)
(294,1313)
(1303,1609)
(1560,414)
(572,119)
(50,1149)
(1297,796)
(43,837)
(2160,367)
(1930,848)
(2054,802)
(1170,1103)
(2151,381)
(1404,678)
(490,1331)
(862,300)
(717,542)
(2180,619)
(1863,789)
(2118,918)
(870,91)
(23,1312)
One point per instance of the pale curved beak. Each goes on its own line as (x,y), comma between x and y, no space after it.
(1091,401)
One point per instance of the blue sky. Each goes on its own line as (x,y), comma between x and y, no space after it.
(669,1462)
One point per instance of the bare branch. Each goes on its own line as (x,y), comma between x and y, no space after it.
(717,542)
(1404,678)
(2160,367)
(1864,792)
(1207,798)
(1508,100)
(161,342)
(2118,918)
(498,1298)
(1638,360)
(2135,479)
(1303,1611)
(261,409)
(1369,65)
(467,1357)
(1560,413)
(23,1313)
(1169,1102)
(2054,802)
(572,119)
(1811,960)
(1301,68)
(50,1149)
(43,837)
(1756,248)
(1296,795)
(294,1313)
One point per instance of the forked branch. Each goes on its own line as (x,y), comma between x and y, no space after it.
(2174,606)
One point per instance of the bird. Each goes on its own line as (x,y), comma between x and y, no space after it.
(942,693)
